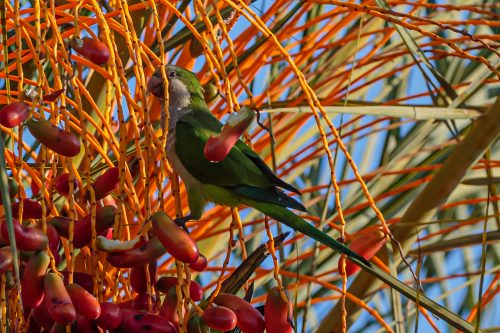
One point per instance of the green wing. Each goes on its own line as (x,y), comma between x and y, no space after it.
(242,171)
(192,132)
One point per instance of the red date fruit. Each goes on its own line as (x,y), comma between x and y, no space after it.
(219,318)
(105,218)
(166,282)
(138,278)
(50,97)
(84,325)
(149,251)
(367,246)
(92,49)
(58,140)
(27,238)
(54,242)
(143,322)
(61,184)
(111,316)
(42,316)
(59,303)
(35,189)
(84,280)
(53,238)
(61,223)
(177,242)
(249,319)
(14,114)
(139,302)
(169,306)
(105,183)
(277,313)
(5,259)
(83,301)
(200,264)
(32,282)
(31,209)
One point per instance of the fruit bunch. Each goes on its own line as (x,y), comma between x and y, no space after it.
(98,249)
(54,302)
(54,299)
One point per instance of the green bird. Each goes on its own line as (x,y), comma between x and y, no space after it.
(242,178)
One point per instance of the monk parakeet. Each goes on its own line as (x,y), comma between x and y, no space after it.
(242,178)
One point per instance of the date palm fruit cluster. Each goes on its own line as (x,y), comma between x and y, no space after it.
(51,303)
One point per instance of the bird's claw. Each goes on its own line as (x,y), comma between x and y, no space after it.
(181,222)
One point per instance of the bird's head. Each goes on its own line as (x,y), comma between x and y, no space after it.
(183,86)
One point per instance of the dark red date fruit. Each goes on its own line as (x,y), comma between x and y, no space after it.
(138,278)
(58,140)
(144,322)
(50,97)
(105,183)
(249,319)
(219,318)
(84,325)
(42,316)
(61,223)
(166,282)
(84,280)
(31,209)
(61,184)
(54,242)
(111,316)
(105,218)
(14,114)
(27,238)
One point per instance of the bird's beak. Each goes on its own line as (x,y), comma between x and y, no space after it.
(155,86)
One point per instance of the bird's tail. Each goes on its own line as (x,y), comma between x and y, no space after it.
(297,223)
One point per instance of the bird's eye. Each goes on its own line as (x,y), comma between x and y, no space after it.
(172,74)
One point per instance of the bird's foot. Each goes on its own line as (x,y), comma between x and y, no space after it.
(181,222)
